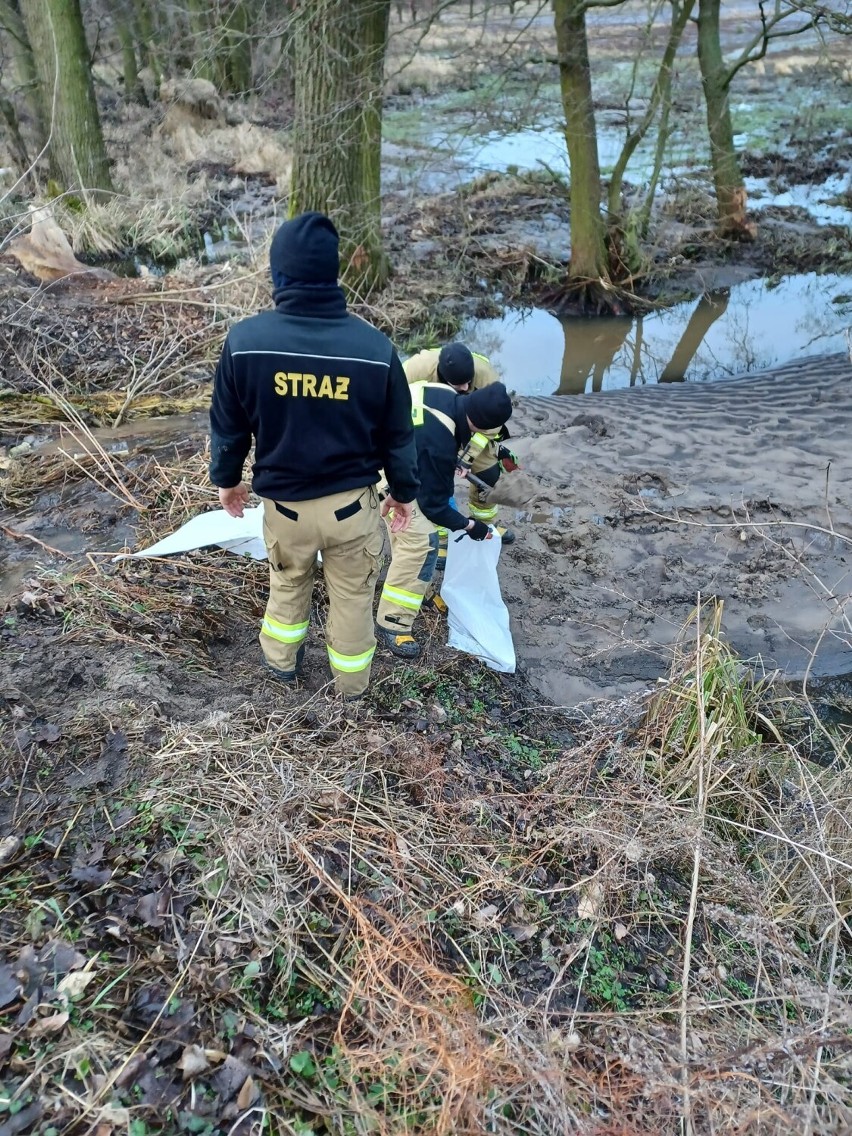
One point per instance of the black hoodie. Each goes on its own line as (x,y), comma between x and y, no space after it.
(322,392)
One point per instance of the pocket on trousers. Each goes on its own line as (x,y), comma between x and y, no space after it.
(431,559)
(373,548)
(273,549)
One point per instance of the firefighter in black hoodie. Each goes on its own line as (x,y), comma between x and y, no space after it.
(443,424)
(325,397)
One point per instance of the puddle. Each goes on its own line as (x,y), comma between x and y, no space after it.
(20,558)
(748,327)
(819,200)
(443,159)
(144,434)
(536,148)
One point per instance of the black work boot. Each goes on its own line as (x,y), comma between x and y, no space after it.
(399,642)
(506,535)
(289,677)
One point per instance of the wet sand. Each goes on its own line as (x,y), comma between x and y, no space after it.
(643,499)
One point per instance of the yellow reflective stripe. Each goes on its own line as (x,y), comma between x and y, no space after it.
(417,392)
(350,663)
(483,513)
(401,597)
(477,355)
(284,632)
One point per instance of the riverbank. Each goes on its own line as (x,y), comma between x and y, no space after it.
(463,906)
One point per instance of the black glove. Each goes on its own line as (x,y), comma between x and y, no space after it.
(480,530)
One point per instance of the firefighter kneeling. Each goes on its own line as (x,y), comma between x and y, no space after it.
(444,423)
(468,371)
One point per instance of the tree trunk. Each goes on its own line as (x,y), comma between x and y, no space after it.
(133,89)
(76,148)
(235,58)
(15,141)
(662,85)
(727,178)
(23,70)
(338,125)
(148,41)
(589,267)
(198,12)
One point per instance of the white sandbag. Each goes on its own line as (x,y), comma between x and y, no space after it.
(478,618)
(241,535)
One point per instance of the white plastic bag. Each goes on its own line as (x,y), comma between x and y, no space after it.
(242,535)
(478,618)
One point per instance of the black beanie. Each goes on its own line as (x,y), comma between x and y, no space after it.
(455,365)
(305,249)
(488,407)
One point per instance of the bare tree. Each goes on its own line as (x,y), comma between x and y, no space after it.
(19,90)
(589,274)
(75,145)
(338,123)
(716,77)
(660,97)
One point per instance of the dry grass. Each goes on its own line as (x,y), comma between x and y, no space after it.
(163,229)
(469,929)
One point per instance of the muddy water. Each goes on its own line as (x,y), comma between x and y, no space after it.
(459,154)
(748,327)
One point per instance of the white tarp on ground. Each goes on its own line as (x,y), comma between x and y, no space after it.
(242,535)
(479,620)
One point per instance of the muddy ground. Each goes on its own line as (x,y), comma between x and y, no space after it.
(630,504)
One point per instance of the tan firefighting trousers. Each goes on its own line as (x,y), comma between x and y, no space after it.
(477,505)
(414,555)
(346,528)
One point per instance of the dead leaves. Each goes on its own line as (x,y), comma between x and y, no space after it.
(9,848)
(53,1023)
(152,907)
(193,1062)
(73,985)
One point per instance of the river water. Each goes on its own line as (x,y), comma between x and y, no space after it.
(748,327)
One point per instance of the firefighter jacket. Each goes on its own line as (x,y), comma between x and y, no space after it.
(324,395)
(440,428)
(423,368)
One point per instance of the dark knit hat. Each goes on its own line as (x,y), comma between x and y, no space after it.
(455,365)
(306,250)
(488,407)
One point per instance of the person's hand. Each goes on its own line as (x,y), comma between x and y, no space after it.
(234,500)
(478,530)
(402,514)
(507,459)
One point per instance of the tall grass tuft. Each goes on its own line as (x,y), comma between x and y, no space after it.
(710,738)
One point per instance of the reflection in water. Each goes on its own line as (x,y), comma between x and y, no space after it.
(591,353)
(748,327)
(709,308)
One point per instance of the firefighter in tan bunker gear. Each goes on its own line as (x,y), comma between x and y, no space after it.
(325,397)
(444,422)
(465,371)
